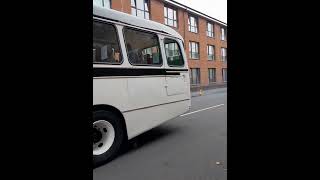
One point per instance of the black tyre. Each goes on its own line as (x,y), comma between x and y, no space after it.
(108,136)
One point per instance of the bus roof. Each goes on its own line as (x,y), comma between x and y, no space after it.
(133,20)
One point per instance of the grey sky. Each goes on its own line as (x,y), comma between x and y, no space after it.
(214,8)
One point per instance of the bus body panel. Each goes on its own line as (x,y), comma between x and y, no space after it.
(145,119)
(112,92)
(145,101)
(143,107)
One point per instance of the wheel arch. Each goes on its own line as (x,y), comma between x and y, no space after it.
(116,111)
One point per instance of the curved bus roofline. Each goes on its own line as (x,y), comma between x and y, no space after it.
(113,15)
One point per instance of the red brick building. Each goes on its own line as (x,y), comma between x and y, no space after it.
(205,37)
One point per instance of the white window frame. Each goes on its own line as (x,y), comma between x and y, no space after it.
(194,49)
(145,10)
(211,32)
(213,52)
(223,54)
(103,3)
(174,18)
(195,26)
(198,76)
(214,70)
(224,74)
(223,34)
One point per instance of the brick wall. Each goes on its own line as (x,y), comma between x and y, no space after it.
(157,14)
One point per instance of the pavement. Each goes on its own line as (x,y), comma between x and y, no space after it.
(207,92)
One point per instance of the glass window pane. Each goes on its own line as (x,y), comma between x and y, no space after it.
(192,21)
(140,4)
(142,48)
(170,22)
(146,5)
(224,74)
(107,3)
(175,23)
(222,34)
(198,76)
(133,3)
(140,13)
(212,75)
(175,15)
(194,76)
(133,11)
(170,13)
(106,48)
(97,2)
(174,57)
(165,12)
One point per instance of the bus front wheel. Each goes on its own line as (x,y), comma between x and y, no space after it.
(108,136)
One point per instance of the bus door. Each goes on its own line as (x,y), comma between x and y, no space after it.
(177,75)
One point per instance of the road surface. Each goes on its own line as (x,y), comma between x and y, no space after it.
(190,147)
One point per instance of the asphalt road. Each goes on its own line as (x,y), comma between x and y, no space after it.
(191,147)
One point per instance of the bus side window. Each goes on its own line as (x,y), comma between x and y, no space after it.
(143,48)
(173,53)
(106,47)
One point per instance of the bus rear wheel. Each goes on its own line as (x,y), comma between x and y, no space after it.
(107,136)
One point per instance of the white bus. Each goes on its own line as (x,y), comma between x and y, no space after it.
(140,79)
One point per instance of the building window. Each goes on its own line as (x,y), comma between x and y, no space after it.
(210,52)
(103,3)
(140,8)
(193,24)
(223,34)
(170,17)
(212,75)
(173,53)
(142,48)
(194,50)
(210,30)
(223,54)
(106,48)
(195,76)
(224,74)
